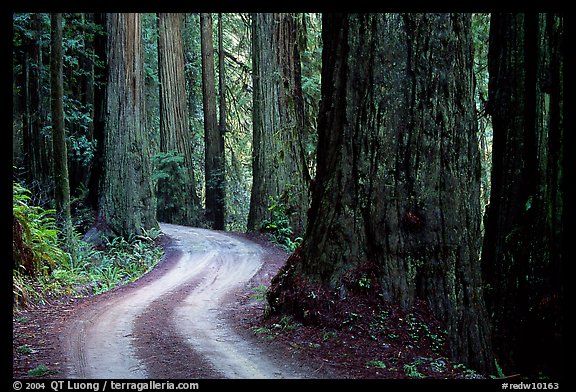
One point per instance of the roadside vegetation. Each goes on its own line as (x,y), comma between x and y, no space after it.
(48,264)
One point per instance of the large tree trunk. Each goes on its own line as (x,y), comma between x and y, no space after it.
(397,185)
(522,259)
(178,201)
(213,138)
(127,202)
(278,158)
(61,181)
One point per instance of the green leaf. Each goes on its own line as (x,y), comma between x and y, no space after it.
(528,204)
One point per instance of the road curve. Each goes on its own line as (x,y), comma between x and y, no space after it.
(102,341)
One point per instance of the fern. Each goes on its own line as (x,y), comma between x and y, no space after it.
(35,236)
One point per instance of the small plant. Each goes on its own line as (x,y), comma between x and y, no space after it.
(351,317)
(278,225)
(268,333)
(411,370)
(376,364)
(39,371)
(468,373)
(328,335)
(499,372)
(260,293)
(418,330)
(25,349)
(286,324)
(365,282)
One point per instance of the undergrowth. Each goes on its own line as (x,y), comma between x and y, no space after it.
(47,266)
(278,225)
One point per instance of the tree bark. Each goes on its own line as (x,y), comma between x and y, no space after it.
(60,154)
(398,175)
(221,77)
(522,253)
(178,200)
(213,138)
(278,158)
(127,202)
(100,78)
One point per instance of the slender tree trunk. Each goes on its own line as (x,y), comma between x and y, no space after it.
(60,154)
(178,201)
(278,159)
(397,186)
(127,203)
(79,87)
(213,138)
(37,144)
(100,79)
(522,253)
(221,77)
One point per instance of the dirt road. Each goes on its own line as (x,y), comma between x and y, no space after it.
(177,324)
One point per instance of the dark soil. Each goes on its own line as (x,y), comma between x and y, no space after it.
(367,342)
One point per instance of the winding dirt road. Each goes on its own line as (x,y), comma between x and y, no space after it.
(177,324)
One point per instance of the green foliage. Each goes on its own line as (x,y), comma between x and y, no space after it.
(40,370)
(376,364)
(415,368)
(419,331)
(499,372)
(278,225)
(365,282)
(25,349)
(122,261)
(468,373)
(42,269)
(35,245)
(260,293)
(81,147)
(172,177)
(238,139)
(285,324)
(311,58)
(480,36)
(328,335)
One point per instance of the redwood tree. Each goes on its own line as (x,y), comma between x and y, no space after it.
(127,203)
(213,137)
(398,177)
(178,201)
(37,145)
(278,158)
(61,181)
(522,254)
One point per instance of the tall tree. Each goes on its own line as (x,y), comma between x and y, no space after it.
(100,83)
(522,253)
(278,159)
(213,138)
(37,144)
(397,187)
(79,33)
(221,76)
(60,154)
(127,202)
(178,201)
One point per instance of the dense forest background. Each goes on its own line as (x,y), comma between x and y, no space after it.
(423,153)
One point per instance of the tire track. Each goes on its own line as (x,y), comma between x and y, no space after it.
(175,325)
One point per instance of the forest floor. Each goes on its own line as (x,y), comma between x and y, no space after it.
(200,314)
